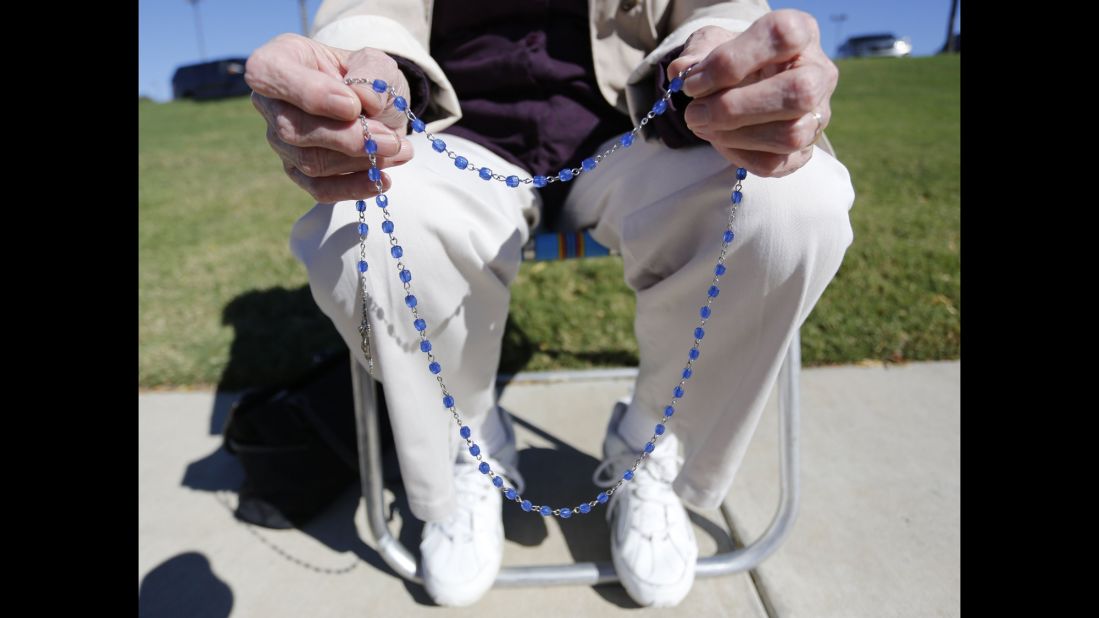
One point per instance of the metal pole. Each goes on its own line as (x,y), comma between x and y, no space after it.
(839,19)
(198,30)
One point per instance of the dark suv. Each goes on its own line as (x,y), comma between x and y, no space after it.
(211,80)
(876,45)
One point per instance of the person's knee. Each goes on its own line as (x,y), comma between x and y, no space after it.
(444,241)
(804,220)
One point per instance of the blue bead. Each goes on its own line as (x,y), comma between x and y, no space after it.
(737,196)
(425,346)
(510,495)
(687,373)
(546,511)
(409,300)
(678,392)
(727,236)
(405,276)
(566,513)
(628,476)
(602,497)
(525,505)
(396,251)
(512,181)
(461,162)
(668,411)
(439,145)
(465,431)
(485,173)
(361,205)
(699,332)
(660,107)
(382,201)
(659,429)
(719,270)
(420,324)
(363,229)
(704,312)
(400,103)
(475,450)
(540,181)
(387,227)
(713,291)
(585,508)
(374,174)
(741,173)
(498,481)
(418,125)
(626,140)
(565,175)
(484,467)
(380,85)
(362,266)
(435,367)
(588,164)
(675,85)
(649,446)
(371,146)
(448,401)
(693,354)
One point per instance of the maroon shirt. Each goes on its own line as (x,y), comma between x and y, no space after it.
(523,74)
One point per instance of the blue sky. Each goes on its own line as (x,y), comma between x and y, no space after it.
(167,34)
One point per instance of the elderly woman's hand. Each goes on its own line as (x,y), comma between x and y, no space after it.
(313,116)
(761,98)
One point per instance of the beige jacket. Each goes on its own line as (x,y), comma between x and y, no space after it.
(628,37)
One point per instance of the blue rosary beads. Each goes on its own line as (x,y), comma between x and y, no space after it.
(565,175)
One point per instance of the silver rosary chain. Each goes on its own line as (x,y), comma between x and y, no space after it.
(414,307)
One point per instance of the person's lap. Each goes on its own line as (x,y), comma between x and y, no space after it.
(663,209)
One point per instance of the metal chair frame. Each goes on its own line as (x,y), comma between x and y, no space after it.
(402,561)
(397,556)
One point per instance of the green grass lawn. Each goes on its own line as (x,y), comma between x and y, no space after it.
(222,301)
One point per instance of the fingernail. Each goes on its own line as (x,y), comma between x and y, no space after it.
(696,83)
(388,144)
(406,145)
(697,115)
(686,63)
(343,105)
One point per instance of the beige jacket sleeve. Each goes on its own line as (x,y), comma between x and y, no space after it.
(395,27)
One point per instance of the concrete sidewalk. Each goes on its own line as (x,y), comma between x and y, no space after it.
(878,532)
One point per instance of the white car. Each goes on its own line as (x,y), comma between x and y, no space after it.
(875,45)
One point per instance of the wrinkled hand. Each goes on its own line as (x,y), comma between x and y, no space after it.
(313,116)
(755,93)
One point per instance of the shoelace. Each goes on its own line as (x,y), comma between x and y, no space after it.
(653,481)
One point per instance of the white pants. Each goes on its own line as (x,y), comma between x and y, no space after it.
(665,210)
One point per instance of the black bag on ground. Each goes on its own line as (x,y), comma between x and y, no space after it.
(296,443)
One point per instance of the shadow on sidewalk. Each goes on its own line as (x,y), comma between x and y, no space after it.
(279,334)
(184,586)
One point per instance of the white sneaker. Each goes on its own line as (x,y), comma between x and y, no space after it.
(460,556)
(652,542)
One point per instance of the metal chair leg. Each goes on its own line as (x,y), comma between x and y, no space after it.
(370,472)
(401,560)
